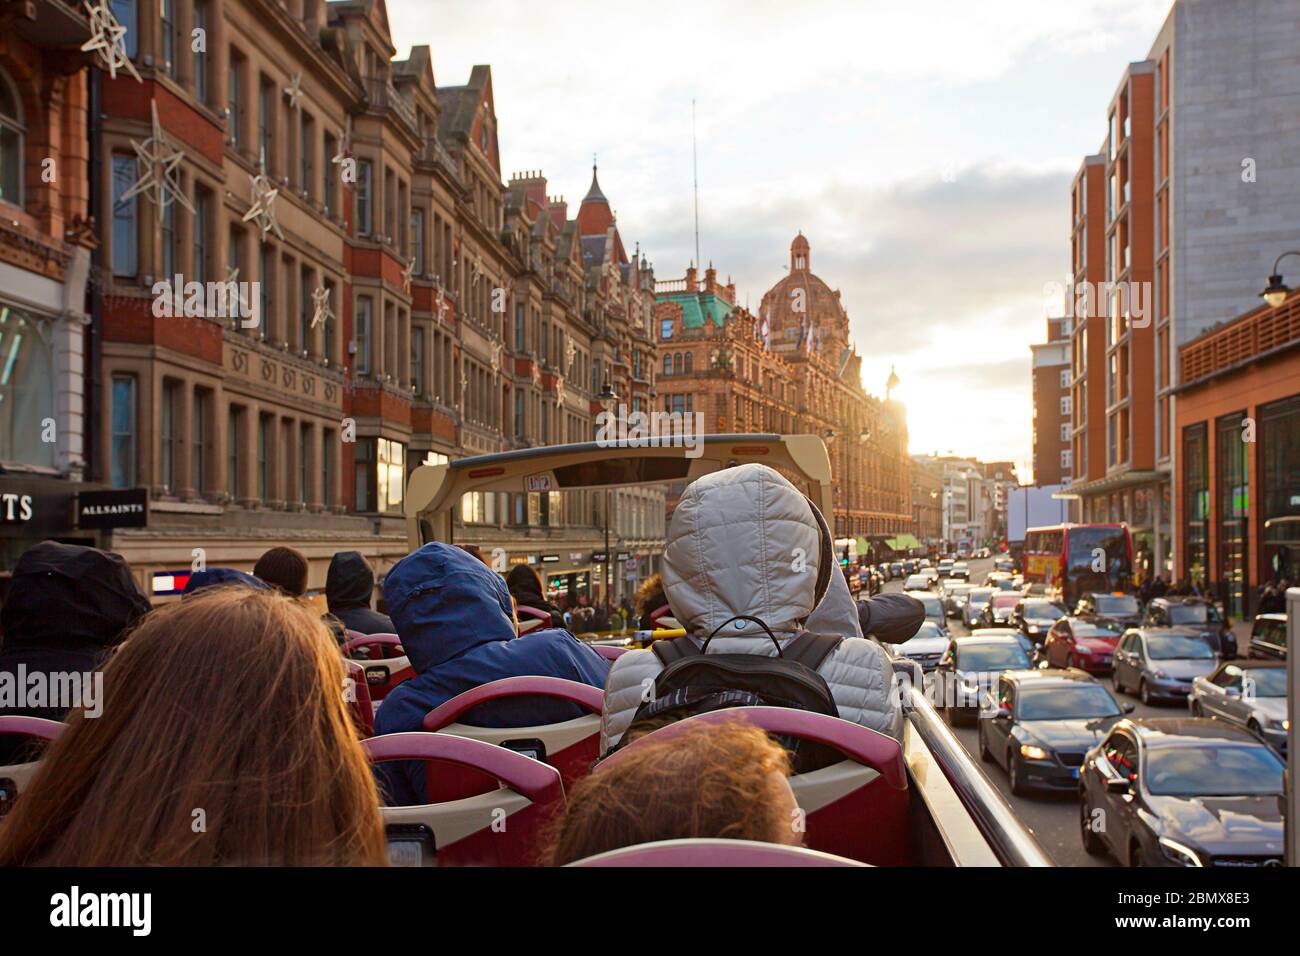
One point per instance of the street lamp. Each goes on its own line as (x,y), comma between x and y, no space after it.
(1276,291)
(609,399)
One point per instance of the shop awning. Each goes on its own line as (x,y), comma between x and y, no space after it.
(903,542)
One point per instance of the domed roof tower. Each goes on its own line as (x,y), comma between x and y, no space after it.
(803,312)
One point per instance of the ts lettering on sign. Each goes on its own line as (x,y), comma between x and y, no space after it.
(16,507)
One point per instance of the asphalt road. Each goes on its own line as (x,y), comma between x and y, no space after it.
(1054,818)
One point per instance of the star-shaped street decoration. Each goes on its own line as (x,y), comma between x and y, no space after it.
(569,351)
(294,91)
(321,312)
(159,162)
(345,143)
(536,374)
(262,210)
(108,39)
(407,272)
(497,349)
(559,390)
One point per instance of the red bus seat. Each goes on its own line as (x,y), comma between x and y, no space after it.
(662,619)
(15,778)
(531,619)
(714,853)
(358,698)
(857,808)
(500,827)
(609,651)
(571,747)
(385,664)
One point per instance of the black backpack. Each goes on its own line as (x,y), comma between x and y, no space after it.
(695,682)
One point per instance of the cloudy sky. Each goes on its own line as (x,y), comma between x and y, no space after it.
(925,148)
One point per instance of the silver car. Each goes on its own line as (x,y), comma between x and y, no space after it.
(954,596)
(1251,694)
(1160,663)
(925,647)
(973,607)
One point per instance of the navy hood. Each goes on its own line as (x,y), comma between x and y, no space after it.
(349,581)
(215,576)
(444,602)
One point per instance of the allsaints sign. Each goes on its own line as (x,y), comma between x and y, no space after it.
(128,508)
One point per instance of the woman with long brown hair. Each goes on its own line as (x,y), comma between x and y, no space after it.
(224,740)
(724,781)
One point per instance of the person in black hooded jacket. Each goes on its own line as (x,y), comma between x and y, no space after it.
(349,584)
(525,586)
(67,608)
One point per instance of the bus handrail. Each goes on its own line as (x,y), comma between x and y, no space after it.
(1011,841)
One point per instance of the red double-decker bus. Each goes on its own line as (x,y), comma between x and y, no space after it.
(1078,558)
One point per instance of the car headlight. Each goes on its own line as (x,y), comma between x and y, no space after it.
(1032,752)
(1080,649)
(1177,853)
(1286,725)
(1160,675)
(1033,629)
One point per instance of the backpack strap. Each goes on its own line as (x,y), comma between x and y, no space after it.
(810,649)
(675,650)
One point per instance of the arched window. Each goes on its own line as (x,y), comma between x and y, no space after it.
(690,362)
(677,362)
(668,363)
(12,133)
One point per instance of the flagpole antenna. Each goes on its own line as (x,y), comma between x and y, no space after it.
(695,169)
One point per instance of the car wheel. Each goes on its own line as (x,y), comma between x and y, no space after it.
(1013,773)
(1144,692)
(985,754)
(1092,844)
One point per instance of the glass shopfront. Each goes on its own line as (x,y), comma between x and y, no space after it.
(1279,477)
(1234,507)
(1196,502)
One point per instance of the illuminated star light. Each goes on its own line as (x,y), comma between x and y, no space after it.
(108,39)
(160,179)
(321,312)
(294,91)
(262,210)
(407,272)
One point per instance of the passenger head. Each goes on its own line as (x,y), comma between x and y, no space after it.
(285,569)
(476,551)
(524,579)
(216,577)
(650,595)
(224,739)
(444,601)
(68,595)
(749,510)
(349,582)
(698,780)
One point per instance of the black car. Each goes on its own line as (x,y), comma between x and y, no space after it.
(1182,792)
(1102,607)
(1035,617)
(970,667)
(1197,614)
(1268,637)
(1042,723)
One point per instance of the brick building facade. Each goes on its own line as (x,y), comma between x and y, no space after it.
(1050,367)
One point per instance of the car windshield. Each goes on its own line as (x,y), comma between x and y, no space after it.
(928,629)
(1072,702)
(979,595)
(1188,614)
(1118,605)
(1088,629)
(1266,681)
(933,606)
(1173,647)
(1215,770)
(1042,611)
(991,657)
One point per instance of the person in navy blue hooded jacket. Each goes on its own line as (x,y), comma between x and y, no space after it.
(456,622)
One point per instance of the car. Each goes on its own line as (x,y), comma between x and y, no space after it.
(944,566)
(933,607)
(1000,611)
(917,582)
(969,668)
(1121,609)
(976,600)
(896,569)
(1005,565)
(1160,663)
(1035,617)
(1040,724)
(961,570)
(869,580)
(954,596)
(993,578)
(926,646)
(1182,792)
(1082,642)
(1268,637)
(1250,694)
(1196,613)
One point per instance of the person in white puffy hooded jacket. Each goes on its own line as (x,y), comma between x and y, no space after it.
(745,541)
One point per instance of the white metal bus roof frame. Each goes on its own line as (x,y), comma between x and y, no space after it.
(433,491)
